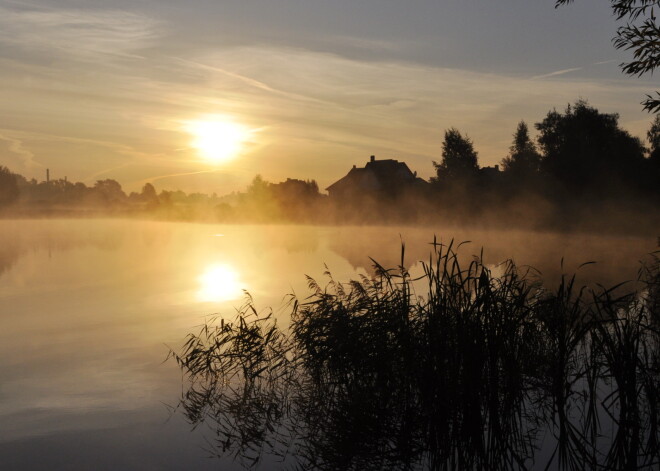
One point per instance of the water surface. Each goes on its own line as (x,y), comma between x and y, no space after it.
(89,308)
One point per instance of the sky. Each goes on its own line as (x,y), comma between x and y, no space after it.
(131,90)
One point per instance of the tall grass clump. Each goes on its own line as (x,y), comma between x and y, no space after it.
(450,370)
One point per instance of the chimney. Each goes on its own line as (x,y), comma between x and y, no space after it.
(373,158)
(47,175)
(354,166)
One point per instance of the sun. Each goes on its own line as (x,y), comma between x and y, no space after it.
(218,140)
(220,282)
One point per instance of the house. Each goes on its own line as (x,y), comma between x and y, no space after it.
(387,177)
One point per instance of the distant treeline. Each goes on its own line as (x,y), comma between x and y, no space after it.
(261,202)
(583,171)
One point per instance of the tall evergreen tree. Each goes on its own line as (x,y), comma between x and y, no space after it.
(523,158)
(459,159)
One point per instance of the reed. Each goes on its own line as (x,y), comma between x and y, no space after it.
(455,369)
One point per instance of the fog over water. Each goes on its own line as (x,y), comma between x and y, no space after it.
(89,308)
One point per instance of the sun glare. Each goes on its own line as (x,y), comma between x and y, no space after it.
(218,140)
(219,283)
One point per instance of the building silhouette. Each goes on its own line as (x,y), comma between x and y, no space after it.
(386,177)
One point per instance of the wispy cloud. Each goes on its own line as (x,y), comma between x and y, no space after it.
(125,155)
(369,45)
(106,171)
(175,175)
(569,70)
(19,136)
(556,73)
(75,33)
(25,156)
(249,81)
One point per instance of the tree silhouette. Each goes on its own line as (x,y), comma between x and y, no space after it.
(148,194)
(459,159)
(9,191)
(258,187)
(653,135)
(653,173)
(110,190)
(641,34)
(584,148)
(523,158)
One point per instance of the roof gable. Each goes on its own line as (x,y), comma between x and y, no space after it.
(375,175)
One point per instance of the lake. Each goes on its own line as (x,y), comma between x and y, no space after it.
(90,309)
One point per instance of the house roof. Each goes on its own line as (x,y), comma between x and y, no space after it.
(375,175)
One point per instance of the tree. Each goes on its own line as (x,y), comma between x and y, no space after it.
(9,191)
(653,166)
(653,135)
(148,194)
(523,158)
(109,190)
(165,198)
(641,34)
(584,147)
(459,159)
(259,188)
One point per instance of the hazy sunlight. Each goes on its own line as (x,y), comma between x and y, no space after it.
(219,283)
(218,140)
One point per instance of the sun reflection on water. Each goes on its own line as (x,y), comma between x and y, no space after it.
(219,282)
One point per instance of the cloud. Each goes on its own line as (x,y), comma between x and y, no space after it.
(127,155)
(25,157)
(81,34)
(569,70)
(557,72)
(384,100)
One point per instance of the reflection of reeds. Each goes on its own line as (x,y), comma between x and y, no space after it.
(481,372)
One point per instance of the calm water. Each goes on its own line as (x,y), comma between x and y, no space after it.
(89,308)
